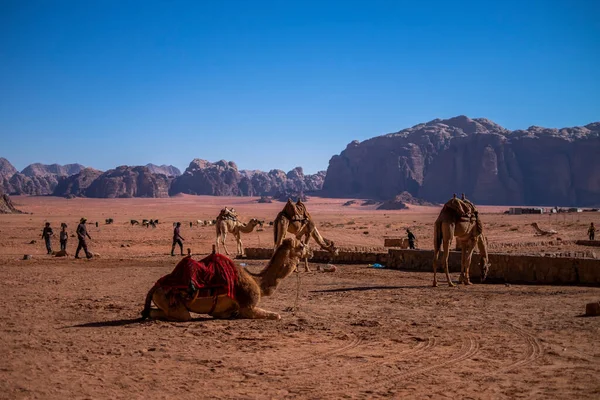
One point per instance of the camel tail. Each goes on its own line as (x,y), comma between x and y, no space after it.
(438,236)
(148,303)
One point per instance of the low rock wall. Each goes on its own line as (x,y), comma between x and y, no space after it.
(595,243)
(344,257)
(508,267)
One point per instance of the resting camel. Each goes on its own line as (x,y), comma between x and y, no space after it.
(454,223)
(227,222)
(297,221)
(248,290)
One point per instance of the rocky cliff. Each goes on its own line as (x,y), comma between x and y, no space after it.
(487,162)
(36,179)
(127,181)
(76,185)
(223,178)
(6,205)
(167,170)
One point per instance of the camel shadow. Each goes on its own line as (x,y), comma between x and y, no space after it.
(365,288)
(125,322)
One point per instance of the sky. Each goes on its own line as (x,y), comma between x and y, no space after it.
(280,84)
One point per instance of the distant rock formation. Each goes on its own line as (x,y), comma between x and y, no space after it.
(167,170)
(487,162)
(76,185)
(402,201)
(125,181)
(40,170)
(223,178)
(6,205)
(36,179)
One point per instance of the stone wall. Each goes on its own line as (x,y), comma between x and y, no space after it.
(344,257)
(395,242)
(507,267)
(595,243)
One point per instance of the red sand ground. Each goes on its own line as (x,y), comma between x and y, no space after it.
(69,328)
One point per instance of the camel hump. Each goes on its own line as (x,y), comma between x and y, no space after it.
(464,208)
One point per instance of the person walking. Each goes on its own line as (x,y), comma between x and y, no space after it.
(592,231)
(46,234)
(177,239)
(411,239)
(64,236)
(81,236)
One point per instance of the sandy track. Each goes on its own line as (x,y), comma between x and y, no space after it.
(69,327)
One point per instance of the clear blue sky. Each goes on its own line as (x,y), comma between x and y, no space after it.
(276,84)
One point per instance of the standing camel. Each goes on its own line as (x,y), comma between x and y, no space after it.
(459,219)
(296,220)
(227,222)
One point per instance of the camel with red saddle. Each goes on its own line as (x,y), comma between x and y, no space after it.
(216,286)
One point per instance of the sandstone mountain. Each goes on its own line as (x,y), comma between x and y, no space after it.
(76,185)
(487,162)
(223,178)
(167,170)
(125,181)
(36,179)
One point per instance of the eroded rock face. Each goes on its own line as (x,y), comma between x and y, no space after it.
(76,185)
(223,178)
(6,205)
(36,179)
(488,163)
(167,170)
(125,181)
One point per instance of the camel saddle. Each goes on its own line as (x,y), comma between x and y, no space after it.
(464,209)
(226,213)
(295,212)
(213,276)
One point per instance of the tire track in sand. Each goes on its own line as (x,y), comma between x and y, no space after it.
(419,348)
(534,348)
(468,349)
(355,342)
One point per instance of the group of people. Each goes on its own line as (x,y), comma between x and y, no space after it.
(82,236)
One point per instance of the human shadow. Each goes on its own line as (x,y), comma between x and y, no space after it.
(365,288)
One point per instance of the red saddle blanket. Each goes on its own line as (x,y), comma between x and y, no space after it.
(213,272)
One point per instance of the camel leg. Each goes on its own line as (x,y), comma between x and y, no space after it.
(240,246)
(436,254)
(223,237)
(257,313)
(467,263)
(446,256)
(306,269)
(463,257)
(165,311)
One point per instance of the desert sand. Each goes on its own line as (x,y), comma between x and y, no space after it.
(70,328)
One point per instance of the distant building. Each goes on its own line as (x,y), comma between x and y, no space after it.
(521,210)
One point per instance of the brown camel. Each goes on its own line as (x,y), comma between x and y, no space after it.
(459,219)
(294,218)
(227,222)
(248,290)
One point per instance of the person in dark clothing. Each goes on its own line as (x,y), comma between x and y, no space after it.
(411,239)
(592,231)
(81,236)
(96,224)
(64,236)
(191,225)
(177,239)
(46,234)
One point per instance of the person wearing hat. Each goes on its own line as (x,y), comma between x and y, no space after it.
(46,234)
(177,239)
(81,235)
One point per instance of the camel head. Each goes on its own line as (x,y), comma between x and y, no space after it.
(331,247)
(484,266)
